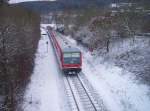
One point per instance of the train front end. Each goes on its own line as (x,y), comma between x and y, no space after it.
(71,61)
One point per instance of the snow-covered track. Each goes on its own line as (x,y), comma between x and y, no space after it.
(80,95)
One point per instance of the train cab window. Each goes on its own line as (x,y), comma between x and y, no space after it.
(71,58)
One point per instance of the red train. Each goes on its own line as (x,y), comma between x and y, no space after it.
(69,58)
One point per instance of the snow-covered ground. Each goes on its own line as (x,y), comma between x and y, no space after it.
(46,91)
(118,88)
(17,1)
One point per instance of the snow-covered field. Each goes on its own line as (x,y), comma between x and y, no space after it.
(118,88)
(45,92)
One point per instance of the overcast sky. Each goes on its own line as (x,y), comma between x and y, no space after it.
(17,1)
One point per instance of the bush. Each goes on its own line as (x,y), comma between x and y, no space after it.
(19,36)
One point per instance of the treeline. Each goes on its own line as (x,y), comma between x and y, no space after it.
(19,36)
(95,27)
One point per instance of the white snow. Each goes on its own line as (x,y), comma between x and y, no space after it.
(18,1)
(45,92)
(118,88)
(113,5)
(45,25)
(120,46)
(119,92)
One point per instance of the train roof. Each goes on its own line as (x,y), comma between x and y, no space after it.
(65,44)
(71,49)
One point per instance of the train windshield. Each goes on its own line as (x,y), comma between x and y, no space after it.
(71,58)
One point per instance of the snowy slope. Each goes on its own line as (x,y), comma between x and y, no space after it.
(118,88)
(45,92)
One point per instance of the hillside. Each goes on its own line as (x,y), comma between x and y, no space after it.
(118,35)
(44,7)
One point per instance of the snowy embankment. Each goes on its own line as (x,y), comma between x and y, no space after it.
(45,92)
(118,88)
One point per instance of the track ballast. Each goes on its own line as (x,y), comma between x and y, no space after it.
(80,98)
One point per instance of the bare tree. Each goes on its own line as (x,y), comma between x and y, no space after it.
(4,2)
(18,42)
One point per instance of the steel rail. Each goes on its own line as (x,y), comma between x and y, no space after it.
(77,80)
(86,93)
(72,94)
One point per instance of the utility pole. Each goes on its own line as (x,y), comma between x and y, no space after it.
(47,46)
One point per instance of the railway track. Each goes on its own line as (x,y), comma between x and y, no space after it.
(80,97)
